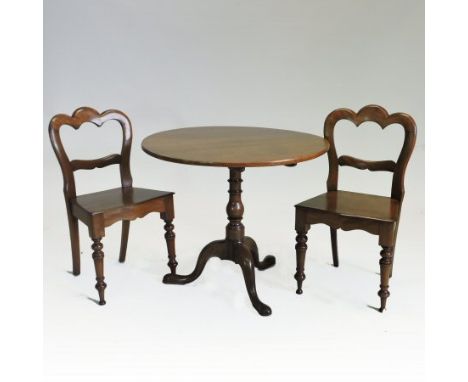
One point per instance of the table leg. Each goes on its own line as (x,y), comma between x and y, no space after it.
(245,259)
(236,247)
(266,263)
(214,249)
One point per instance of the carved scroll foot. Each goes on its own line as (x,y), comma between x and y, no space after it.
(245,259)
(301,248)
(269,260)
(98,257)
(214,249)
(385,269)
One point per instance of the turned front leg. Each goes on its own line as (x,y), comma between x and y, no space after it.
(170,241)
(385,262)
(98,257)
(301,248)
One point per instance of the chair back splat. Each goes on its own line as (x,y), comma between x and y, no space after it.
(80,116)
(379,115)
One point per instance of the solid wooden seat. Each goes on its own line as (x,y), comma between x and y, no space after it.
(117,202)
(355,205)
(99,210)
(378,215)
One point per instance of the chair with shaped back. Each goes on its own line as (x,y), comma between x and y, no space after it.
(378,215)
(101,209)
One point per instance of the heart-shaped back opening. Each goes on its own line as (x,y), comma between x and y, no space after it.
(371,114)
(83,119)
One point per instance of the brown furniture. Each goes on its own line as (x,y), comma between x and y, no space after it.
(102,209)
(235,148)
(377,215)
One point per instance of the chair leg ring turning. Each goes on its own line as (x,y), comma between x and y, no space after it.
(301,248)
(98,257)
(385,262)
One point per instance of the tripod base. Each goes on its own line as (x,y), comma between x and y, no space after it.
(243,253)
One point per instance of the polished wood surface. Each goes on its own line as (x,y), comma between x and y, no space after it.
(353,204)
(235,148)
(378,215)
(236,247)
(101,209)
(116,199)
(231,146)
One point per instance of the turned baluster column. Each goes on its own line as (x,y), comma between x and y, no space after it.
(235,208)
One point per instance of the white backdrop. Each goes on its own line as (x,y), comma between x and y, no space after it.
(171,64)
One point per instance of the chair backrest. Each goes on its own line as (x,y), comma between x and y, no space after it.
(379,115)
(80,116)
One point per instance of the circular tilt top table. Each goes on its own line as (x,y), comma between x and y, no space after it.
(235,148)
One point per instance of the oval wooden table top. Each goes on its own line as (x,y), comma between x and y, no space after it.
(233,146)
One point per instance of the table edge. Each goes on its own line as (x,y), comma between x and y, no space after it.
(281,162)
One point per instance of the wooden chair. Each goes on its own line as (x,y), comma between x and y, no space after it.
(102,209)
(377,215)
